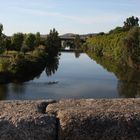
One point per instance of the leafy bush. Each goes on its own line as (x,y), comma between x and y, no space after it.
(4,64)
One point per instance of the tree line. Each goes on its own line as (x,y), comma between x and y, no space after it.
(28,42)
(25,55)
(121,44)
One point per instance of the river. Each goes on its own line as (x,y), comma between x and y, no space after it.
(71,76)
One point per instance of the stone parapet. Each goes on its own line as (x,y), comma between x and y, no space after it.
(85,119)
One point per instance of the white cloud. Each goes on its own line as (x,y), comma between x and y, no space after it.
(106,17)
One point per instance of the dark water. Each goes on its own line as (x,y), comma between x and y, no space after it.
(75,76)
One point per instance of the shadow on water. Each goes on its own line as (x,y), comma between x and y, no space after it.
(128,79)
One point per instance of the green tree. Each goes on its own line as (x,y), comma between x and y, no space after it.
(7,42)
(1,29)
(17,41)
(29,41)
(131,22)
(38,39)
(24,49)
(2,36)
(53,43)
(77,42)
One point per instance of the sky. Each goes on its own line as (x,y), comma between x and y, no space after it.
(67,16)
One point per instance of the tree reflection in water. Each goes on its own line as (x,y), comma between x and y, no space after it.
(77,54)
(3,92)
(17,87)
(128,89)
(52,65)
(129,83)
(128,79)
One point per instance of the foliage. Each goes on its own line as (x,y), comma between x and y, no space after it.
(131,47)
(38,39)
(101,33)
(122,47)
(1,39)
(29,41)
(24,49)
(2,47)
(20,63)
(38,53)
(1,29)
(117,30)
(4,64)
(7,42)
(107,45)
(131,22)
(119,44)
(17,41)
(77,42)
(53,43)
(24,55)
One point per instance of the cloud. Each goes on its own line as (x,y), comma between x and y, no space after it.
(106,17)
(67,16)
(36,8)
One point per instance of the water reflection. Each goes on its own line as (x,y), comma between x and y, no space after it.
(128,79)
(18,83)
(3,91)
(18,88)
(77,54)
(52,65)
(75,78)
(128,89)
(22,76)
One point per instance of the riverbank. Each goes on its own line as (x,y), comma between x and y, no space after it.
(21,67)
(121,46)
(89,119)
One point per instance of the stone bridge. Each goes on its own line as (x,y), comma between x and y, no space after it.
(70,39)
(85,119)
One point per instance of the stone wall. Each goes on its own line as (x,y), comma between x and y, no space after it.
(90,119)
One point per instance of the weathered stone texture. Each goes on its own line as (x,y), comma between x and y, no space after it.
(97,119)
(70,120)
(24,120)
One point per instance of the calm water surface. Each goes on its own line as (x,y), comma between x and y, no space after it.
(76,77)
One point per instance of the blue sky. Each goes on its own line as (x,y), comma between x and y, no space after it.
(67,16)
